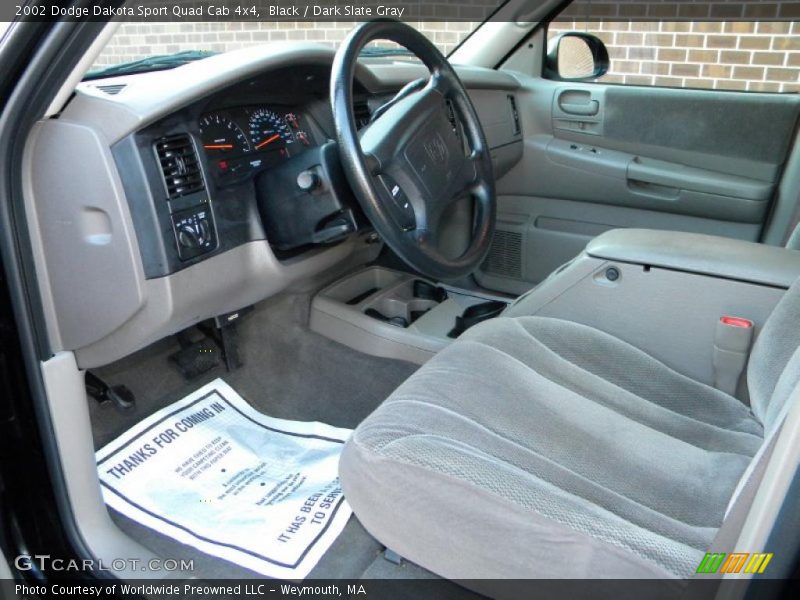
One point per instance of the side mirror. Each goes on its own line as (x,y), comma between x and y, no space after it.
(576,56)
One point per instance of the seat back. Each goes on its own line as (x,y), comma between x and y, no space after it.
(774,368)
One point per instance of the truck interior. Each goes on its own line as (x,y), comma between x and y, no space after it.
(559,315)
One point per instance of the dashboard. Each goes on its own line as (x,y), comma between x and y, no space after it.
(192,193)
(253,161)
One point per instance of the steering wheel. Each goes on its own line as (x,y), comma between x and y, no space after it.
(409,165)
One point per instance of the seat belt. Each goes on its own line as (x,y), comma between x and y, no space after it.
(732,340)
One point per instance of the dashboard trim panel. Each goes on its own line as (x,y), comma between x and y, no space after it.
(137,291)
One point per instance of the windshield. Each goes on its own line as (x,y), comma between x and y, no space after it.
(150,63)
(139,47)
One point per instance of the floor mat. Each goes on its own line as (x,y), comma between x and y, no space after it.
(289,372)
(215,474)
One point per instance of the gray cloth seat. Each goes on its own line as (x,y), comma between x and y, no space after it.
(536,447)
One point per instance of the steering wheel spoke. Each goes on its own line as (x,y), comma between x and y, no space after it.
(390,134)
(397,204)
(442,84)
(425,239)
(468,176)
(408,165)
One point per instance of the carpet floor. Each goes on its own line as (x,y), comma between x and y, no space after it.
(289,372)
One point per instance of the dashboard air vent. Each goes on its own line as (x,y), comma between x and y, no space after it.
(177,158)
(112,90)
(362,113)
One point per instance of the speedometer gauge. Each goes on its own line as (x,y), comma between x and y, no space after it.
(268,130)
(221,135)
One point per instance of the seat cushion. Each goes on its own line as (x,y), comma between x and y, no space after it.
(536,447)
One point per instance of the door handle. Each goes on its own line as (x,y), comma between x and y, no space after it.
(584,109)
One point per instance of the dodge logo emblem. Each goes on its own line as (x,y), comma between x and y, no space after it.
(436,149)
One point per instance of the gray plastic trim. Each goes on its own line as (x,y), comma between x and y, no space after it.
(78,206)
(395,75)
(221,284)
(709,255)
(88,253)
(555,231)
(663,173)
(573,183)
(786,207)
(69,410)
(591,172)
(79,70)
(149,96)
(494,109)
(333,317)
(672,315)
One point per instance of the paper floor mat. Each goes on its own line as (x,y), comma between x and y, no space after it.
(213,473)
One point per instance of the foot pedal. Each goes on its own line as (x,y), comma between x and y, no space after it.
(224,333)
(228,337)
(119,395)
(196,358)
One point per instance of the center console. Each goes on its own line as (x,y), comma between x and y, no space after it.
(387,313)
(667,292)
(694,302)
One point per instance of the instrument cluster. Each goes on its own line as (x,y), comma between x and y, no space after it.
(242,140)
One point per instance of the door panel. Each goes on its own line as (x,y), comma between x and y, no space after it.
(598,157)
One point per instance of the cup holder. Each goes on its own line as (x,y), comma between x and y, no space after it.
(428,291)
(398,312)
(359,287)
(406,303)
(477,313)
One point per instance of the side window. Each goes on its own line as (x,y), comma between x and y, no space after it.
(752,56)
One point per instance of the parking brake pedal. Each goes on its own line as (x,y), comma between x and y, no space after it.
(119,395)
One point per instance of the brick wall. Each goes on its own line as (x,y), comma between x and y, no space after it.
(137,40)
(737,55)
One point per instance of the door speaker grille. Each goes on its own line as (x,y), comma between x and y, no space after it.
(505,255)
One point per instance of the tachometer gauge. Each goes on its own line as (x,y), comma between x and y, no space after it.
(221,135)
(269,130)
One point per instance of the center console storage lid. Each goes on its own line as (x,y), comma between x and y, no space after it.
(697,253)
